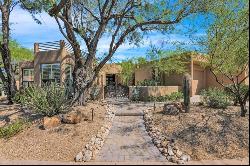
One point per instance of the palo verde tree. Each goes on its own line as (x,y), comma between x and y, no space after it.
(128,69)
(119,21)
(7,76)
(167,62)
(228,46)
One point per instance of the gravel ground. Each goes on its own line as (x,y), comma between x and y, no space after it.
(207,134)
(59,144)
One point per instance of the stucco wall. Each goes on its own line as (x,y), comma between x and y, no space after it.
(199,79)
(143,73)
(146,91)
(211,81)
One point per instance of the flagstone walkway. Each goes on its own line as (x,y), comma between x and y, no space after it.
(128,139)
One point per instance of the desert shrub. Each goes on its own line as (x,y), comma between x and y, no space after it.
(215,98)
(147,83)
(135,96)
(175,96)
(48,100)
(12,129)
(243,90)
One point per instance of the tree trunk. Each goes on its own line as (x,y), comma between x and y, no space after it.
(243,109)
(10,83)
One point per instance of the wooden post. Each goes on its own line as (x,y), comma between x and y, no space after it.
(92,110)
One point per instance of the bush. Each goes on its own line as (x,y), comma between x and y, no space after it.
(175,96)
(12,129)
(135,96)
(147,83)
(215,98)
(243,90)
(49,100)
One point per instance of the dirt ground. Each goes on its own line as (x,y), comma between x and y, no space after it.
(58,144)
(207,134)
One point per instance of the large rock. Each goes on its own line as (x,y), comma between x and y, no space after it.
(170,109)
(180,106)
(72,117)
(50,122)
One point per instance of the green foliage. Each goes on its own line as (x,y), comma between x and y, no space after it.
(167,62)
(228,37)
(135,96)
(127,71)
(215,98)
(243,90)
(175,96)
(12,129)
(49,100)
(147,82)
(19,53)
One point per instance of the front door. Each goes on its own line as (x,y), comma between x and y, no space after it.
(110,79)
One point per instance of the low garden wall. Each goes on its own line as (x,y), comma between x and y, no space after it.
(146,91)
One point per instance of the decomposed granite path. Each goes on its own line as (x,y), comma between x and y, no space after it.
(128,139)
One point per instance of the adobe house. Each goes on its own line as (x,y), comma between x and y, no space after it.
(53,62)
(201,78)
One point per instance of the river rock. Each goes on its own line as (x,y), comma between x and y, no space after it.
(79,157)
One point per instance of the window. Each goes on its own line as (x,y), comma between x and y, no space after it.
(28,73)
(50,73)
(28,77)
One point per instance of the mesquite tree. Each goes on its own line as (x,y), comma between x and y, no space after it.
(7,76)
(228,47)
(119,21)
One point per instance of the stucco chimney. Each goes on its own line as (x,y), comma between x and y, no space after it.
(36,48)
(62,44)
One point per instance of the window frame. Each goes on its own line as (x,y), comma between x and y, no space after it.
(51,73)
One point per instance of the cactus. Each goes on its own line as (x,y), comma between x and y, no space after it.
(186,91)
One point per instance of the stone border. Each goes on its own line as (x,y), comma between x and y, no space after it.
(95,144)
(165,145)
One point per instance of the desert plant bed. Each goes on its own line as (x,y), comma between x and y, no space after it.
(206,133)
(61,143)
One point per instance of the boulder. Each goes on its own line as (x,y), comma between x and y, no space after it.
(73,117)
(170,109)
(50,122)
(180,106)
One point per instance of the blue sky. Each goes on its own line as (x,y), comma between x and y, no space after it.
(26,32)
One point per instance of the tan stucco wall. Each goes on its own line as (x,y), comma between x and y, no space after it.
(199,79)
(146,91)
(143,73)
(109,69)
(211,81)
(47,57)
